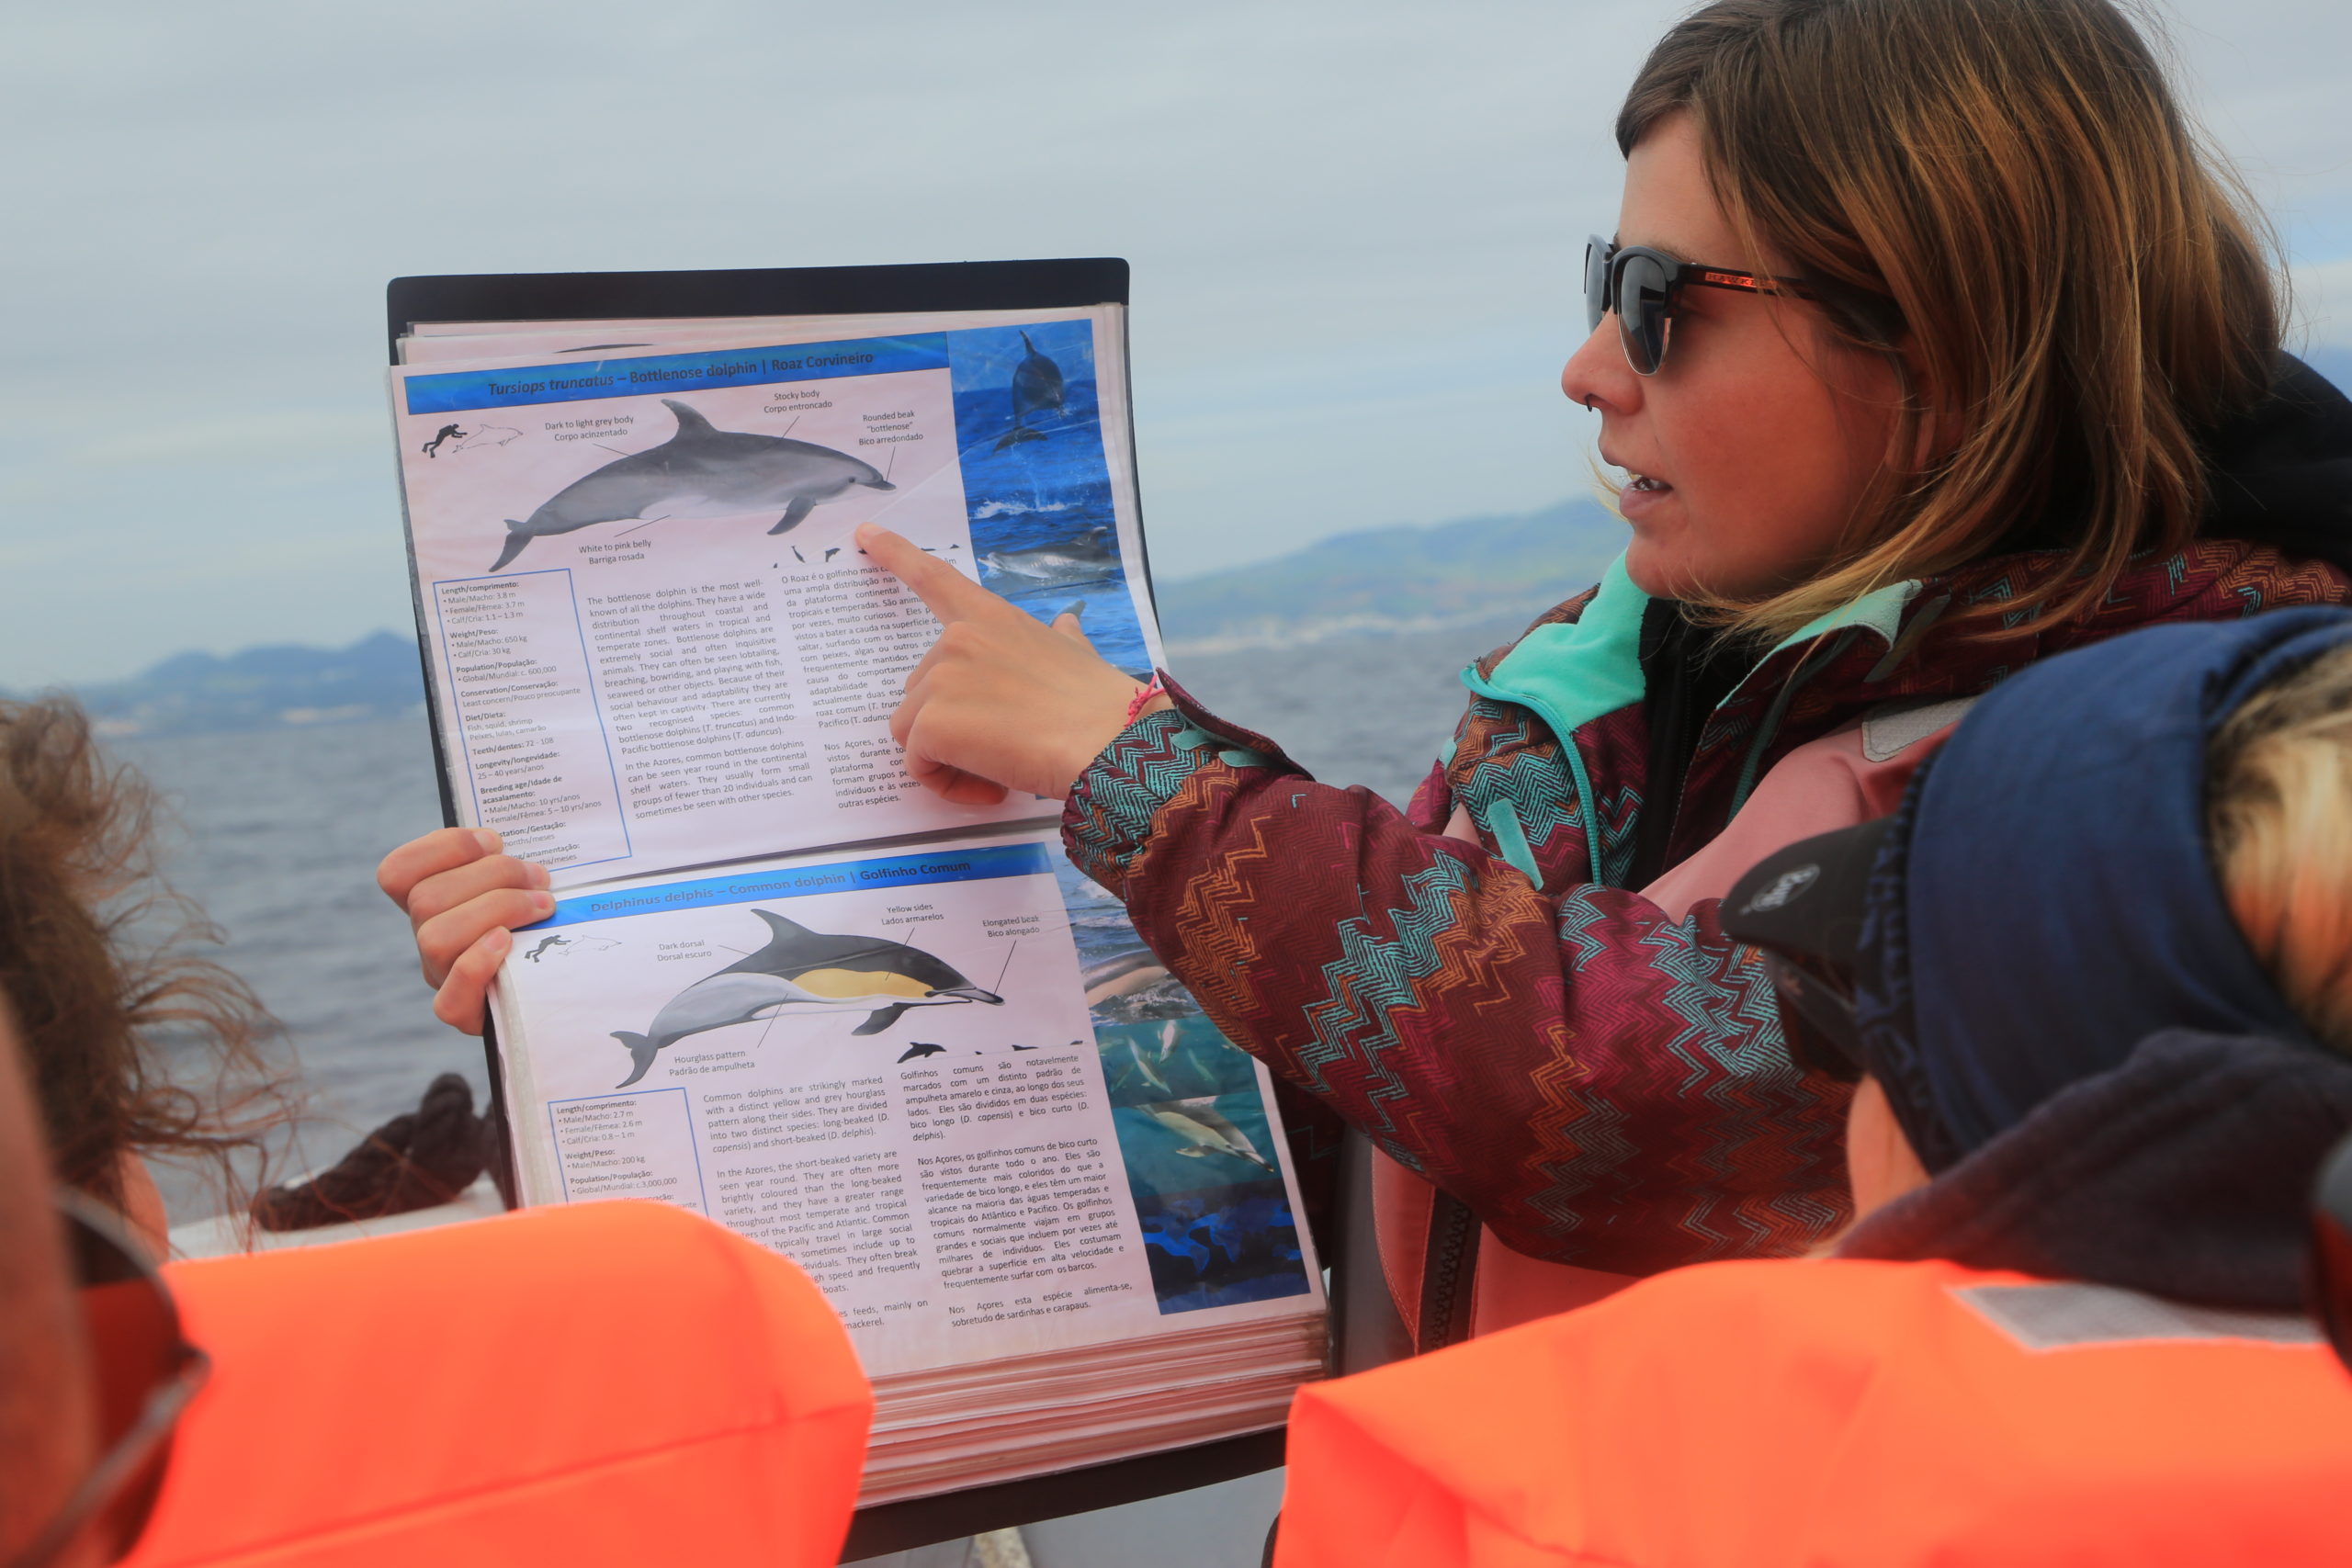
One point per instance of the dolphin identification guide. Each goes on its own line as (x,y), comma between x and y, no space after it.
(903,1043)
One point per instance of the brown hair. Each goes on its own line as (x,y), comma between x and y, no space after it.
(94,962)
(2279,813)
(2083,287)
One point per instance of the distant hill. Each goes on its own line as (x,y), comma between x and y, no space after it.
(1400,579)
(263,688)
(1381,579)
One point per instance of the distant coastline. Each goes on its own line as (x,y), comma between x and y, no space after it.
(1372,582)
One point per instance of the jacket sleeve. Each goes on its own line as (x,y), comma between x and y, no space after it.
(1601,1085)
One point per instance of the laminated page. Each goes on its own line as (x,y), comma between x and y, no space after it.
(652,640)
(950,1082)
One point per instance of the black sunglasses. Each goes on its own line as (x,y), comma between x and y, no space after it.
(1643,287)
(1817,1015)
(146,1374)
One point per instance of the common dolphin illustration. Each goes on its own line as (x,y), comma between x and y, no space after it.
(702,471)
(1205,1131)
(1036,384)
(1121,974)
(812,970)
(921,1048)
(1081,561)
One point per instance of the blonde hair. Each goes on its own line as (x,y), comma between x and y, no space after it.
(2279,813)
(2002,200)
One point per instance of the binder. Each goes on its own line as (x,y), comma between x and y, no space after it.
(959,286)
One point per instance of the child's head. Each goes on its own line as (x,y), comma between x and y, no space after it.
(2027,291)
(2279,810)
(2149,835)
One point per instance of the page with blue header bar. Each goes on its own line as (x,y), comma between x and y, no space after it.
(652,638)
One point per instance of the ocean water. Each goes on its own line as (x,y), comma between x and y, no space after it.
(276,834)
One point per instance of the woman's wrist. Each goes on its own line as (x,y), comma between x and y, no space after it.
(1143,702)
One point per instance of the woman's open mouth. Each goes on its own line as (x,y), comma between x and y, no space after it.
(1643,483)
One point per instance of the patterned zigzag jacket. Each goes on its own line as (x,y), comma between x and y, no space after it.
(1603,1085)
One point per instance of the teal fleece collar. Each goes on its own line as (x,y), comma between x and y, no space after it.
(1572,672)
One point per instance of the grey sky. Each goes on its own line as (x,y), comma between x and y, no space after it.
(1355,228)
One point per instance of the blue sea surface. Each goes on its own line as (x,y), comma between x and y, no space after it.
(1035,479)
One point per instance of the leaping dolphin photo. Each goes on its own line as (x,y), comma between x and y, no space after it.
(809,970)
(1036,385)
(701,471)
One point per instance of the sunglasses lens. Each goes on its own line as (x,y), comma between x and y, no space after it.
(1641,312)
(1596,282)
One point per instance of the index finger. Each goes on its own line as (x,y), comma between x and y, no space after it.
(945,591)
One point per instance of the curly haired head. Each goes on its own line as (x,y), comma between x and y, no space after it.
(96,962)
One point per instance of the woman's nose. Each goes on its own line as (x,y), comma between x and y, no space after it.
(1597,375)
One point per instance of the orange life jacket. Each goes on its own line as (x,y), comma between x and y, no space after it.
(599,1383)
(1836,1413)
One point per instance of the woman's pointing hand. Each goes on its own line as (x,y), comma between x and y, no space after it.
(1001,702)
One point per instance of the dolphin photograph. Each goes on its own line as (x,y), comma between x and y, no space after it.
(1036,388)
(1086,559)
(701,471)
(804,971)
(1204,1131)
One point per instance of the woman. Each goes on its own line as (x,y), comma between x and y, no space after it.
(1982,364)
(94,964)
(2103,1044)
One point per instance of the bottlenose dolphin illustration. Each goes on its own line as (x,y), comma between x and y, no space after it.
(1121,974)
(1082,561)
(702,471)
(1205,1131)
(1036,384)
(921,1048)
(809,970)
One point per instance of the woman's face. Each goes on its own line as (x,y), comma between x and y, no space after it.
(1748,454)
